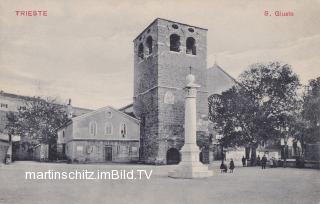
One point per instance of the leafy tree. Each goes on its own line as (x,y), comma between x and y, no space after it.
(259,109)
(311,111)
(38,122)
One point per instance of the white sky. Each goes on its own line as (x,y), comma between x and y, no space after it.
(83,49)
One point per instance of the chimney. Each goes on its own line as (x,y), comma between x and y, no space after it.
(69,109)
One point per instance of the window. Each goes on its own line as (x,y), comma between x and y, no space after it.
(169,98)
(22,108)
(140,51)
(123,130)
(191,46)
(175,43)
(63,134)
(79,149)
(109,114)
(93,128)
(175,26)
(4,105)
(149,45)
(108,128)
(191,30)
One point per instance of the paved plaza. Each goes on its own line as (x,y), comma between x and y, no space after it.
(245,185)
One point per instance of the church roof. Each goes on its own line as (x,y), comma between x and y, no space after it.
(128,109)
(218,80)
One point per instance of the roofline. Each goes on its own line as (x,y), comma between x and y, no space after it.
(127,106)
(64,125)
(35,98)
(11,95)
(95,111)
(168,21)
(79,108)
(218,67)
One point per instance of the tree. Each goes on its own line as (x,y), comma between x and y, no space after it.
(38,122)
(259,109)
(311,111)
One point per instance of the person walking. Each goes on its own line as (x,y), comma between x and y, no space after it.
(263,162)
(231,166)
(243,161)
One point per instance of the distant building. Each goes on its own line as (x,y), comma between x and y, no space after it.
(218,80)
(13,103)
(104,135)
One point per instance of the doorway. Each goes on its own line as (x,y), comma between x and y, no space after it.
(173,156)
(108,153)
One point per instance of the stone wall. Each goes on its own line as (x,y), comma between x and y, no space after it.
(159,79)
(312,152)
(148,126)
(3,151)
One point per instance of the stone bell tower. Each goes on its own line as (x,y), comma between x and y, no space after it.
(163,55)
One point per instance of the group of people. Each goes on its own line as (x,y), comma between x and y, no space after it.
(224,168)
(263,162)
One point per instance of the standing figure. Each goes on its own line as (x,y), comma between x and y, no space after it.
(243,161)
(263,162)
(258,160)
(223,167)
(231,166)
(271,162)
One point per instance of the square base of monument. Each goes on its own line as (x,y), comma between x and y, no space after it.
(191,171)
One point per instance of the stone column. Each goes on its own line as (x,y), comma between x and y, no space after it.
(190,166)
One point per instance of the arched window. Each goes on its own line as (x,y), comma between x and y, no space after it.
(149,45)
(140,51)
(175,43)
(108,128)
(123,129)
(93,128)
(191,46)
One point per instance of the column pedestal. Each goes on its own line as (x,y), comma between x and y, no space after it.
(190,166)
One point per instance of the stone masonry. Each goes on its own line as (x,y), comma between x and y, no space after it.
(159,78)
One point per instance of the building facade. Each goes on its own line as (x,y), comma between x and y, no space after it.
(163,55)
(104,135)
(19,149)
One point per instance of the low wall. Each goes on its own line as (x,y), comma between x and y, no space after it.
(4,146)
(312,152)
(312,164)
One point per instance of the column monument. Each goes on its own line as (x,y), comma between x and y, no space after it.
(190,166)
